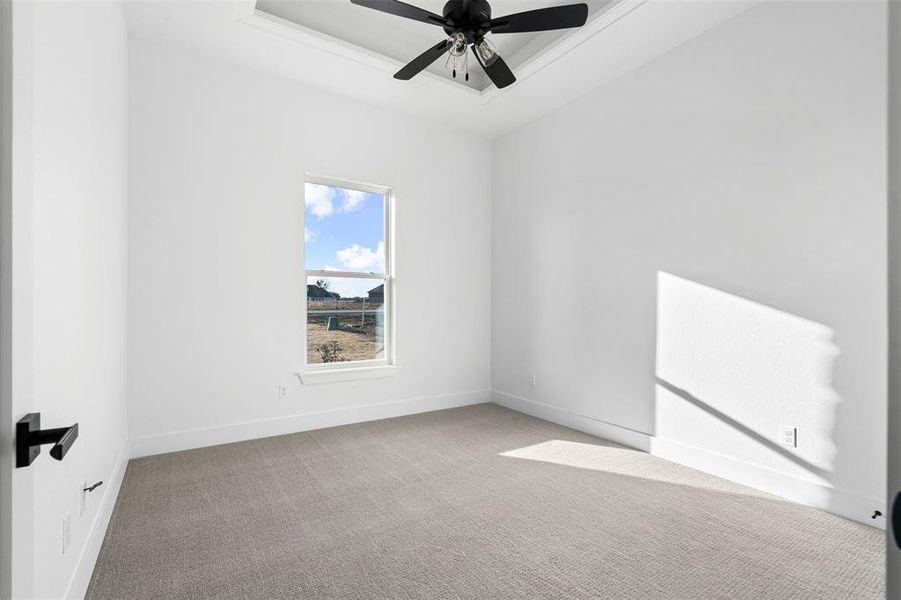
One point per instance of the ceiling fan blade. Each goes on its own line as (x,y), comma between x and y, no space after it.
(422,61)
(498,72)
(542,19)
(401,9)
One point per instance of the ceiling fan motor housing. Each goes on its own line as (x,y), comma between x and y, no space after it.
(467,23)
(471,17)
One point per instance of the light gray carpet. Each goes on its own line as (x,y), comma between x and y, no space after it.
(477,502)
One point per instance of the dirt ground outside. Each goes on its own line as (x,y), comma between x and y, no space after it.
(351,345)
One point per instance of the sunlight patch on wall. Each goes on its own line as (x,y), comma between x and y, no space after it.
(731,372)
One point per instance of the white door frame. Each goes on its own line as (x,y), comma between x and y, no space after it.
(16,107)
(893,553)
(6,427)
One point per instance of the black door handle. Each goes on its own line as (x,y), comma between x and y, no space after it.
(30,437)
(896,519)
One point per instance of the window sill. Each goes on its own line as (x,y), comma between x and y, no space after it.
(317,376)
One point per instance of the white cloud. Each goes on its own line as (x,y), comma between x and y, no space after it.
(308,235)
(318,200)
(357,258)
(352,200)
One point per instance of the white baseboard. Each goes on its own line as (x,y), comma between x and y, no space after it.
(810,493)
(590,425)
(78,584)
(239,432)
(803,491)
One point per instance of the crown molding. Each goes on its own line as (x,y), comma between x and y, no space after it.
(247,13)
(634,32)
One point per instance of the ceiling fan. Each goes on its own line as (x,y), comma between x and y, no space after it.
(467,23)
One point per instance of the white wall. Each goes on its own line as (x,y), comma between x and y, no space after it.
(697,252)
(78,74)
(218,156)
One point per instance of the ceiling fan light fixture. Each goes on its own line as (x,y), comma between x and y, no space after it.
(486,51)
(457,44)
(466,22)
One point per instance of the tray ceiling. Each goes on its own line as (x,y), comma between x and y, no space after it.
(552,69)
(402,39)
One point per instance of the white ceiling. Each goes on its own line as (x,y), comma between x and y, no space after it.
(403,39)
(352,59)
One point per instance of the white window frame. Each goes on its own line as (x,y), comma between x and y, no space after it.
(369,368)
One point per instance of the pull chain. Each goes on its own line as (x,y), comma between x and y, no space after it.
(466,65)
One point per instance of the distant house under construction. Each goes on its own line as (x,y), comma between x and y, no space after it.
(377,294)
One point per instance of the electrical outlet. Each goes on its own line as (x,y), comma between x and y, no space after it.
(66,522)
(282,392)
(532,380)
(788,436)
(84,497)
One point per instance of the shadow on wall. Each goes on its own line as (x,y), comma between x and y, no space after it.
(732,373)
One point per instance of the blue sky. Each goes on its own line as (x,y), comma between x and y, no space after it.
(343,230)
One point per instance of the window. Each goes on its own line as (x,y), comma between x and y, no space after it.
(347,234)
